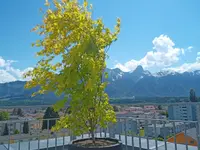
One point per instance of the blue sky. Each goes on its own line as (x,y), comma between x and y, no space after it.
(155,34)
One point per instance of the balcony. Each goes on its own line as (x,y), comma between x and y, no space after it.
(152,134)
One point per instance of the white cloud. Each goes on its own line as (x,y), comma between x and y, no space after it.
(6,77)
(198,59)
(8,73)
(2,62)
(128,66)
(187,66)
(17,73)
(190,47)
(164,54)
(5,63)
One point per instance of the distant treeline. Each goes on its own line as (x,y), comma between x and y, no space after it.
(23,102)
(27,102)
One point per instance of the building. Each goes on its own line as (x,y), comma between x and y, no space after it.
(140,116)
(167,130)
(133,109)
(129,125)
(183,111)
(149,108)
(190,137)
(16,124)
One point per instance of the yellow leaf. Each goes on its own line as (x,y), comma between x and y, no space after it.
(85,3)
(89,84)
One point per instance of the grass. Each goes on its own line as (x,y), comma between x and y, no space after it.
(142,132)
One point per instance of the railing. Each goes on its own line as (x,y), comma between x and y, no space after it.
(134,133)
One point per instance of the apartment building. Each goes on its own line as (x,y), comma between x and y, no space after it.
(17,123)
(129,125)
(168,129)
(183,111)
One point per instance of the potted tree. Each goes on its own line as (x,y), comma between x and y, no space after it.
(73,63)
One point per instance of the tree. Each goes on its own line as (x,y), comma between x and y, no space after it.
(4,116)
(6,132)
(167,115)
(51,115)
(26,127)
(19,112)
(68,111)
(159,107)
(14,111)
(16,131)
(116,109)
(164,113)
(69,32)
(193,96)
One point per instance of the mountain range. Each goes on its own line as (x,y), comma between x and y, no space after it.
(139,82)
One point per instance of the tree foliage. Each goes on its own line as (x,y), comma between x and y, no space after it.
(49,114)
(69,33)
(16,131)
(67,111)
(193,96)
(165,113)
(26,127)
(159,107)
(4,116)
(115,108)
(6,132)
(14,112)
(18,111)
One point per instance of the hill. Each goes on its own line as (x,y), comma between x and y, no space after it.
(139,83)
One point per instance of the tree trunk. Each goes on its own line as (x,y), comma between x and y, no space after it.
(93,137)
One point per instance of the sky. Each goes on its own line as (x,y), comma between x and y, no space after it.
(159,35)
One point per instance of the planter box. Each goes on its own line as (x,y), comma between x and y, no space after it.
(117,146)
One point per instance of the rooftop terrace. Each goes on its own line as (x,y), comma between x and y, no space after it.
(38,139)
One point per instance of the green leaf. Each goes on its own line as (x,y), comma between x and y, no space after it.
(59,104)
(106,75)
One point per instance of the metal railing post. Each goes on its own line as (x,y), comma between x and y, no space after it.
(48,134)
(174,128)
(70,135)
(140,144)
(109,130)
(185,136)
(165,140)
(198,138)
(29,144)
(55,133)
(63,139)
(155,131)
(125,128)
(146,132)
(8,135)
(100,132)
(20,131)
(105,132)
(120,129)
(39,136)
(132,135)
